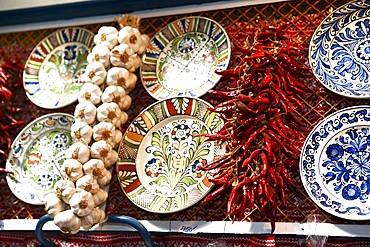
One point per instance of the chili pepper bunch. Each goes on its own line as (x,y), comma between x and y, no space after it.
(10,79)
(262,132)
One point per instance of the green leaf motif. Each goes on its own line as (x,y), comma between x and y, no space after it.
(188,181)
(159,180)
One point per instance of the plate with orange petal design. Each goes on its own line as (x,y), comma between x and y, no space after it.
(159,155)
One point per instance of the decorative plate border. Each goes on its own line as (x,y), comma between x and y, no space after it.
(24,155)
(338,50)
(72,42)
(335,164)
(181,34)
(168,110)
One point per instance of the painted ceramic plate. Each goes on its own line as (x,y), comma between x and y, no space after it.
(52,77)
(335,163)
(182,57)
(36,155)
(340,50)
(158,155)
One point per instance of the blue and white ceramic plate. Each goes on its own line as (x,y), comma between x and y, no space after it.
(340,50)
(36,156)
(335,163)
(181,59)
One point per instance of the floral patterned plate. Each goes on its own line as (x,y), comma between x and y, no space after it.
(158,155)
(52,77)
(335,163)
(340,50)
(181,58)
(36,155)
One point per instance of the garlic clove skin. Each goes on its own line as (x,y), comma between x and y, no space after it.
(64,190)
(78,151)
(105,179)
(68,222)
(97,216)
(130,36)
(72,169)
(144,43)
(100,197)
(102,150)
(109,112)
(123,56)
(125,102)
(119,76)
(85,111)
(107,35)
(95,73)
(88,183)
(101,54)
(90,92)
(114,94)
(117,137)
(81,132)
(95,168)
(82,203)
(54,205)
(104,131)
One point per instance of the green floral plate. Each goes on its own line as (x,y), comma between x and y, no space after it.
(158,155)
(52,75)
(36,156)
(181,59)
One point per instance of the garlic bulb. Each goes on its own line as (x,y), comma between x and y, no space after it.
(125,102)
(123,56)
(110,112)
(95,168)
(85,111)
(53,205)
(78,151)
(121,77)
(131,36)
(144,43)
(68,222)
(88,183)
(95,73)
(82,203)
(64,189)
(105,131)
(100,197)
(102,150)
(97,216)
(117,137)
(81,132)
(72,169)
(114,94)
(90,92)
(101,54)
(105,179)
(107,35)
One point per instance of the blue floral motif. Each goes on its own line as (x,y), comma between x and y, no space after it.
(348,163)
(180,132)
(70,52)
(343,166)
(340,53)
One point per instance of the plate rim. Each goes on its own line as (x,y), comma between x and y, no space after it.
(301,170)
(120,158)
(166,26)
(38,45)
(16,140)
(311,44)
